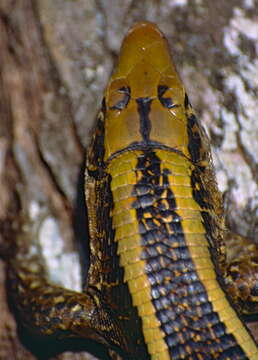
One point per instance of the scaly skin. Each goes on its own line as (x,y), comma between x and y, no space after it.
(155,287)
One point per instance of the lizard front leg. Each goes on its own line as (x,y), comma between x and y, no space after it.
(49,310)
(242,272)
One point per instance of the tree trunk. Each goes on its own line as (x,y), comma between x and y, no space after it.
(55,59)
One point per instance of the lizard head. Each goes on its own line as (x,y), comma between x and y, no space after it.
(145,104)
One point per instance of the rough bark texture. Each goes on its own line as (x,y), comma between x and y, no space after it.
(56,57)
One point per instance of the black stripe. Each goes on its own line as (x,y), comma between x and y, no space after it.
(141,145)
(187,102)
(180,299)
(203,198)
(111,274)
(195,143)
(96,151)
(144,106)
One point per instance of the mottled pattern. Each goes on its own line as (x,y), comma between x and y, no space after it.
(96,149)
(186,316)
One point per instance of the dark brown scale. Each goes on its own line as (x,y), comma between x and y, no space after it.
(187,103)
(195,143)
(200,194)
(96,155)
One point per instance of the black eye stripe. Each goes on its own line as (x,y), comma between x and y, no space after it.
(187,102)
(167,102)
(103,105)
(120,105)
(161,90)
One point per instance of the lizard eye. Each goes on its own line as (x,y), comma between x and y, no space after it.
(119,98)
(165,97)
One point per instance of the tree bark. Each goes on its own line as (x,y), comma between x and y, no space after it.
(55,59)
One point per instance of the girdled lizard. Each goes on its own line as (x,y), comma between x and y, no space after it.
(158,285)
